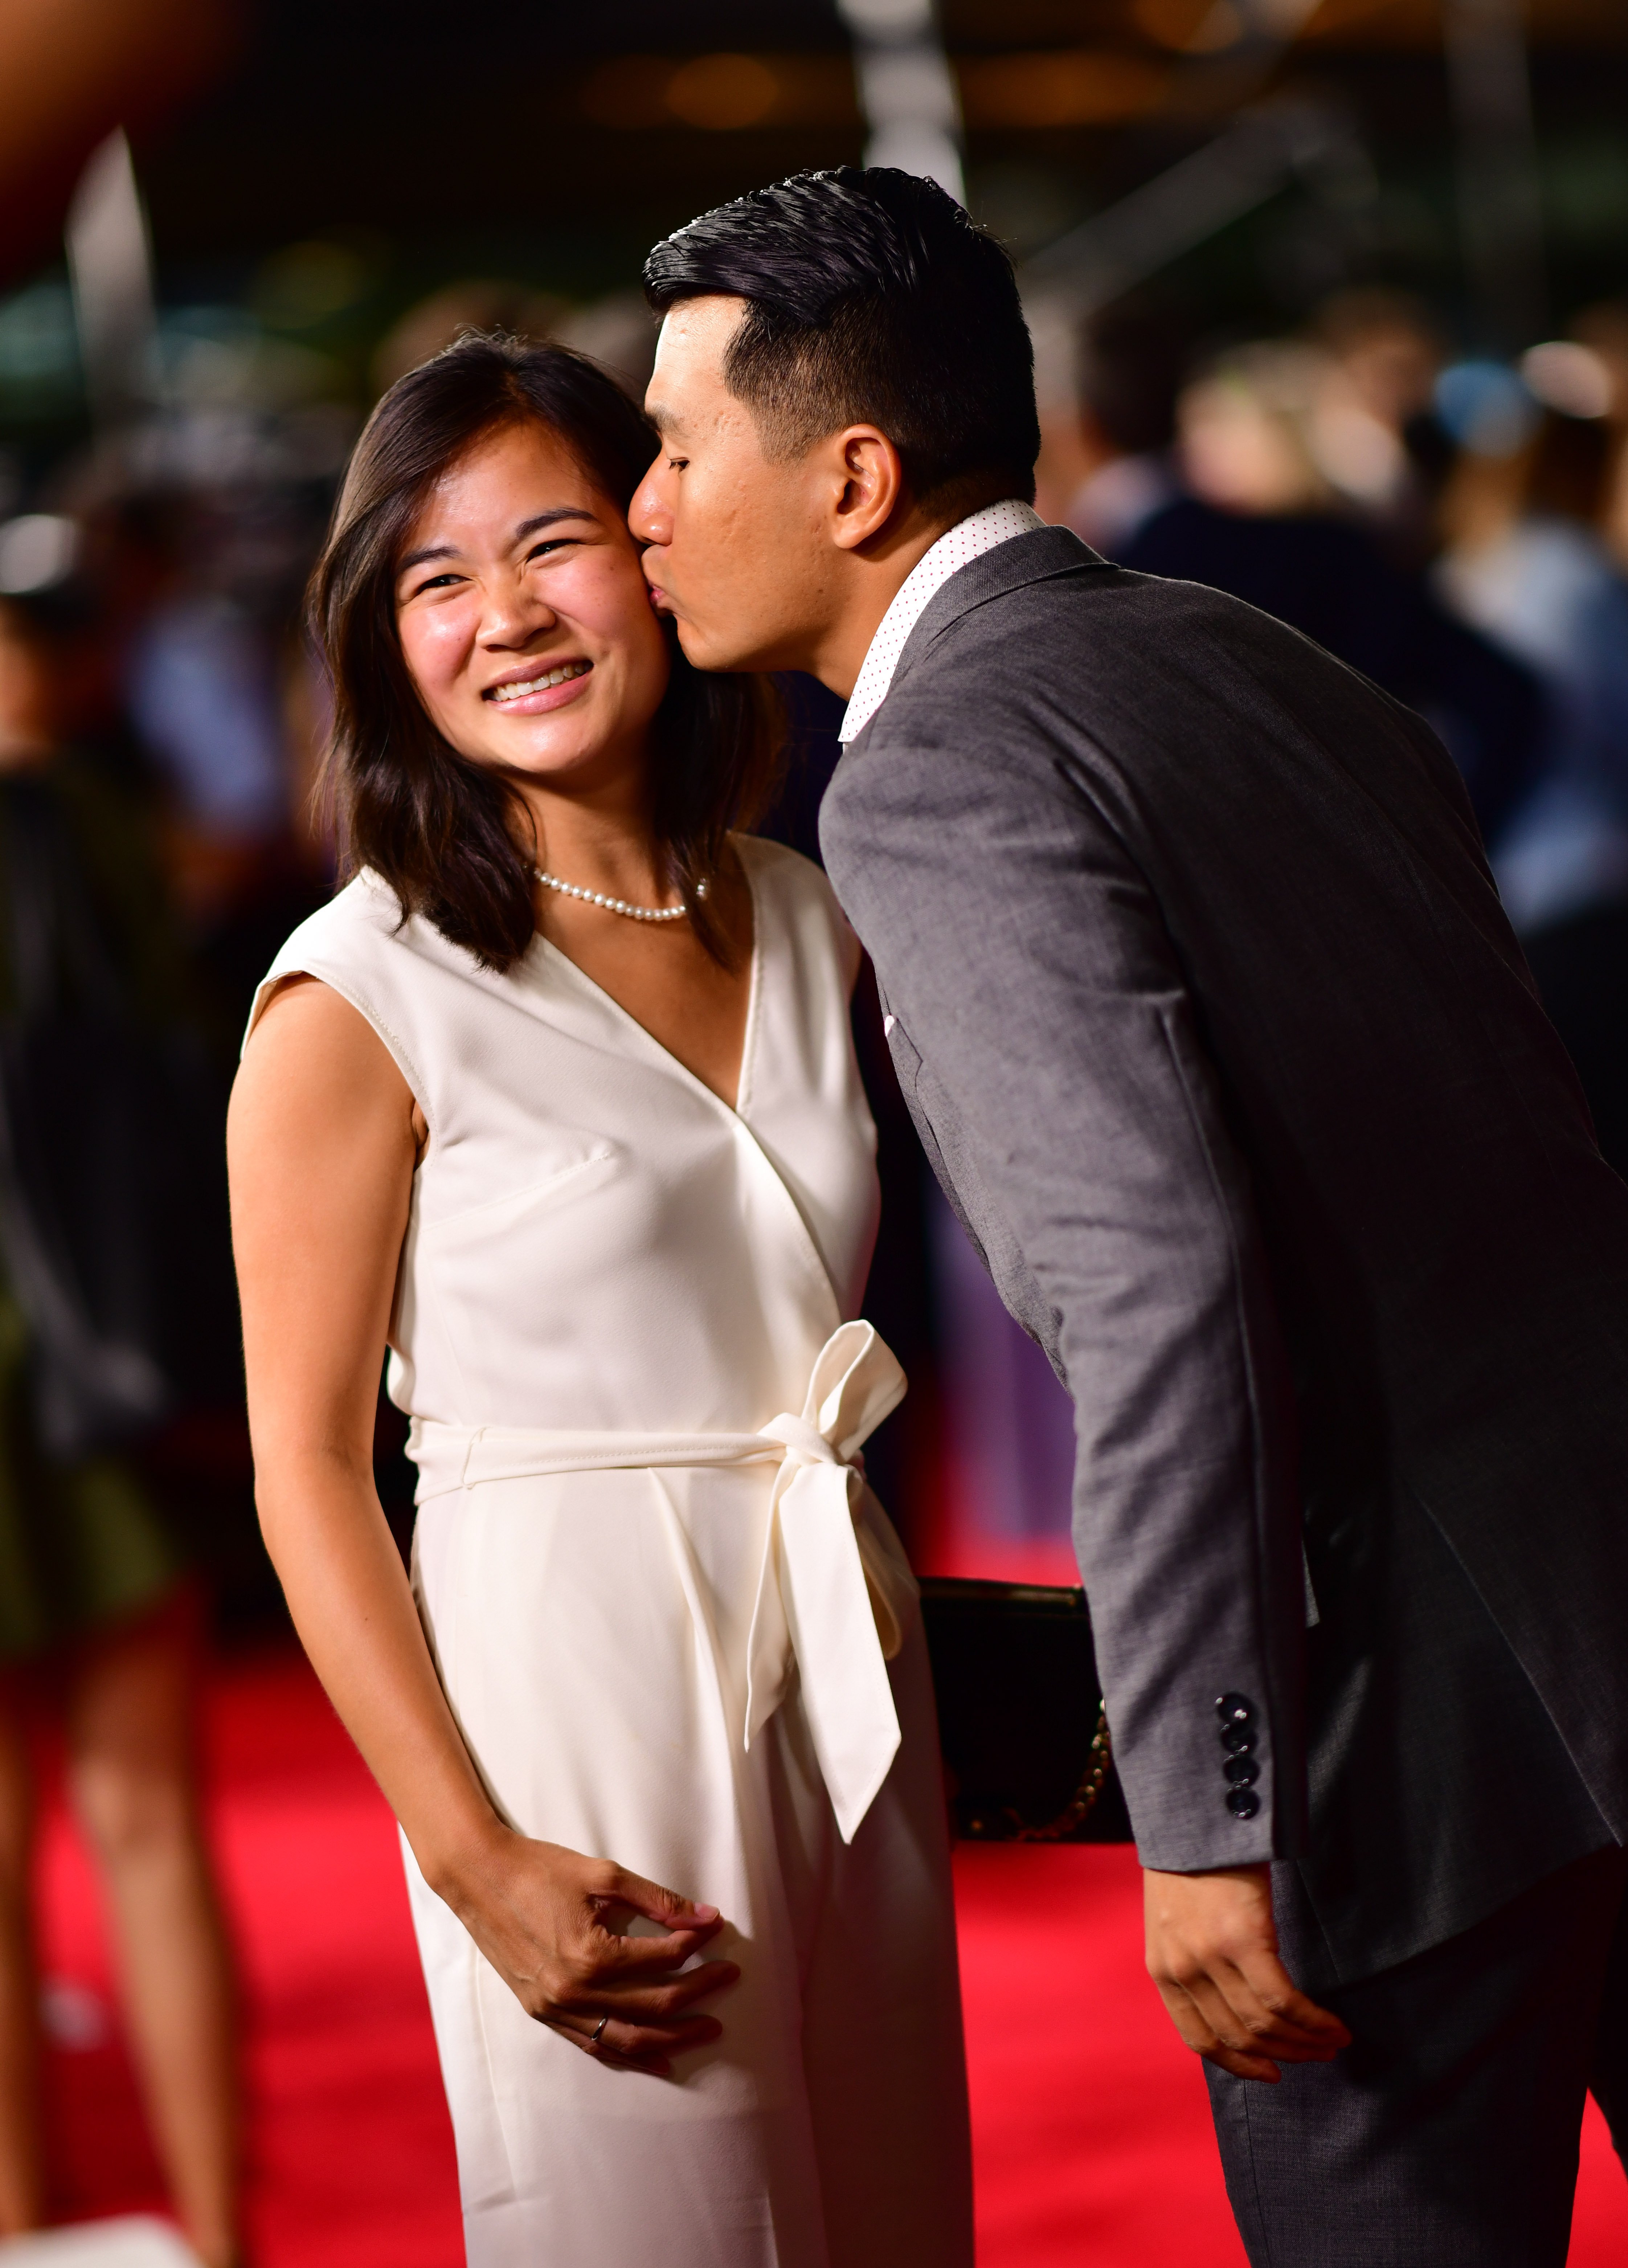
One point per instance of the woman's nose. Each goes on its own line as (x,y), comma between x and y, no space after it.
(512,616)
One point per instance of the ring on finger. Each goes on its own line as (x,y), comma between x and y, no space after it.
(593,2037)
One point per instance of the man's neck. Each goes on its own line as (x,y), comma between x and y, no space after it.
(985,529)
(877,573)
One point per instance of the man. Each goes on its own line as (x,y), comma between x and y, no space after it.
(1219,1043)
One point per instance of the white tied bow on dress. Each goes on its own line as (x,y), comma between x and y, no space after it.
(833,1588)
(829,1584)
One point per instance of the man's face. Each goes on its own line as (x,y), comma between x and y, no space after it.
(739,551)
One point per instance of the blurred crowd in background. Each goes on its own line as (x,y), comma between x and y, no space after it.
(1453,523)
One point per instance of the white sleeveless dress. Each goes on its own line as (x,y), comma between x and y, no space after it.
(659,1597)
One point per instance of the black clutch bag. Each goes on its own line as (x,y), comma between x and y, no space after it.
(1020,1719)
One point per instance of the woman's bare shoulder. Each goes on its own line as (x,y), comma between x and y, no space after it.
(301,1007)
(321,1147)
(309,1044)
(343,990)
(349,935)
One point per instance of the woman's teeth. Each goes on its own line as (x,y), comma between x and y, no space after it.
(563,675)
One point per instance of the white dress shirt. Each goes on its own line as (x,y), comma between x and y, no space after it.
(968,540)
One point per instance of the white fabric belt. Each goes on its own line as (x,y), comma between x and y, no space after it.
(830,1590)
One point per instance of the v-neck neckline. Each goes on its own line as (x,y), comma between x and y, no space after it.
(738,1109)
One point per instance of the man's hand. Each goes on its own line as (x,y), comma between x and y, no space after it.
(1213,1951)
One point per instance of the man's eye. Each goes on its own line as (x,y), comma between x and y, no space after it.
(677,464)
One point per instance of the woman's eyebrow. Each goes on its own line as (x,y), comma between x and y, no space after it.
(548,519)
(418,558)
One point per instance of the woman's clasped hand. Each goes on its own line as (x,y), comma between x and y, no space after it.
(555,1926)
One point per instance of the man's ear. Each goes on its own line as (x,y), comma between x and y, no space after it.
(866,484)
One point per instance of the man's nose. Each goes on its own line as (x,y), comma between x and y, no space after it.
(649,518)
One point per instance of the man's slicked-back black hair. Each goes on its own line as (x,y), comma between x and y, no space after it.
(870,296)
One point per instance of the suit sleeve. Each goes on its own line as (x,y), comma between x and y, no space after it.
(1045,1026)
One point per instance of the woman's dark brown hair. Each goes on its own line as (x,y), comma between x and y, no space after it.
(444,833)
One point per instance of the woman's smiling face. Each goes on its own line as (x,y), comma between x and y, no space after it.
(525,619)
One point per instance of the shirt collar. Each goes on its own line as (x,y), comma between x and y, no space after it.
(968,540)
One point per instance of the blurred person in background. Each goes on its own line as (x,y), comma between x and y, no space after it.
(100,1616)
(615,331)
(557,1100)
(1376,434)
(474,302)
(1604,330)
(1528,566)
(1260,435)
(216,689)
(1132,358)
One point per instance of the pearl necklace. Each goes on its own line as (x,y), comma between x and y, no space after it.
(616,905)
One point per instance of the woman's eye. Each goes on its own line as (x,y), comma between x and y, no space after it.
(437,582)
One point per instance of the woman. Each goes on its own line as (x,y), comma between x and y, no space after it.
(98,1615)
(557,1098)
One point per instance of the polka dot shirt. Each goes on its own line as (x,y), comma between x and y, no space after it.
(969,540)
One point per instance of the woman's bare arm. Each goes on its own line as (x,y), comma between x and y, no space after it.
(321,1146)
(323,1140)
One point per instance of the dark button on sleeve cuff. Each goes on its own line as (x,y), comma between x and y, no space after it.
(1239,1768)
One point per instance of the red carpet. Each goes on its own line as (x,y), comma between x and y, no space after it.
(1091,2136)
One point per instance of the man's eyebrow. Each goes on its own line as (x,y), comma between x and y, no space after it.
(663,418)
(526,527)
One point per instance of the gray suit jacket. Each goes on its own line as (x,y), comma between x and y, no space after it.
(1214,1027)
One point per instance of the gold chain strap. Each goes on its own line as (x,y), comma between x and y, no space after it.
(1099,1758)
